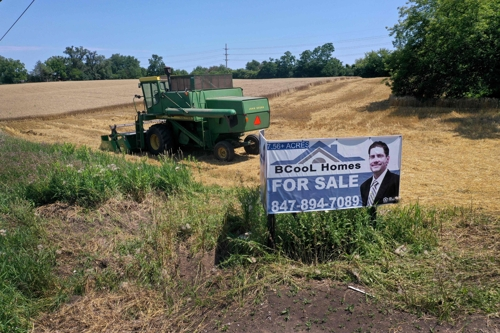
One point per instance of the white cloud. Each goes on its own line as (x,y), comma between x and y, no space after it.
(19,48)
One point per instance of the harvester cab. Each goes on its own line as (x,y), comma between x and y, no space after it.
(200,111)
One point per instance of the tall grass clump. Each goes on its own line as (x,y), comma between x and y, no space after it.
(322,236)
(244,234)
(89,178)
(27,282)
(318,237)
(21,161)
(413,227)
(77,175)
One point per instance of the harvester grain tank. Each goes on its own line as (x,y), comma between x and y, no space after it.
(202,111)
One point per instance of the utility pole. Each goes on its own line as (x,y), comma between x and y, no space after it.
(225,49)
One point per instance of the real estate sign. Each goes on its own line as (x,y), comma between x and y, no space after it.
(327,174)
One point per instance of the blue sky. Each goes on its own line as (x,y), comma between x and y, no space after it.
(191,33)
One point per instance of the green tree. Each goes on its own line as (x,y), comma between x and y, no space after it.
(373,64)
(285,66)
(180,72)
(221,69)
(318,62)
(60,67)
(76,57)
(244,74)
(268,69)
(41,73)
(124,67)
(313,63)
(333,67)
(12,71)
(199,70)
(349,70)
(76,74)
(156,66)
(253,65)
(447,48)
(97,67)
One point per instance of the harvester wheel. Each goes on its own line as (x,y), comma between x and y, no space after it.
(253,148)
(160,139)
(224,151)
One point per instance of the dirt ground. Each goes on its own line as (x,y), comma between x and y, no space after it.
(445,162)
(321,306)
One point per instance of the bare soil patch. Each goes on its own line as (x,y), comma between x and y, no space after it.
(322,306)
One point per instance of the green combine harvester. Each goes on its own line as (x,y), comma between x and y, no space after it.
(200,111)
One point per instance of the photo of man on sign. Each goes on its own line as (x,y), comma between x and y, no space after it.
(383,186)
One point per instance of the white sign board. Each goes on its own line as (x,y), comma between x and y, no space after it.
(329,174)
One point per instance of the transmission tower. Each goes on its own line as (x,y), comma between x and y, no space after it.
(225,54)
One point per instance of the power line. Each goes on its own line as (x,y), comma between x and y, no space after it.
(336,50)
(17,20)
(216,51)
(308,45)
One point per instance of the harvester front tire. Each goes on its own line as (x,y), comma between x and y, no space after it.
(224,151)
(253,148)
(160,140)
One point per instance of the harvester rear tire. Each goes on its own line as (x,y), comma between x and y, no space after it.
(253,148)
(224,151)
(160,139)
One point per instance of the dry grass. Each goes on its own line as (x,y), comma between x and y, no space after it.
(276,87)
(449,155)
(50,98)
(32,100)
(131,309)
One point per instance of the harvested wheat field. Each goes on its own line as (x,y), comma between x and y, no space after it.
(32,100)
(449,155)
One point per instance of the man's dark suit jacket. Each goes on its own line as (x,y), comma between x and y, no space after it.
(387,192)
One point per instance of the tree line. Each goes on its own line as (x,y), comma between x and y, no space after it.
(79,63)
(443,49)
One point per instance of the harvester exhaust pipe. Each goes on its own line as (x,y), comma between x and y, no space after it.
(168,73)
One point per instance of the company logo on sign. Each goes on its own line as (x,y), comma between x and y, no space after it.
(318,158)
